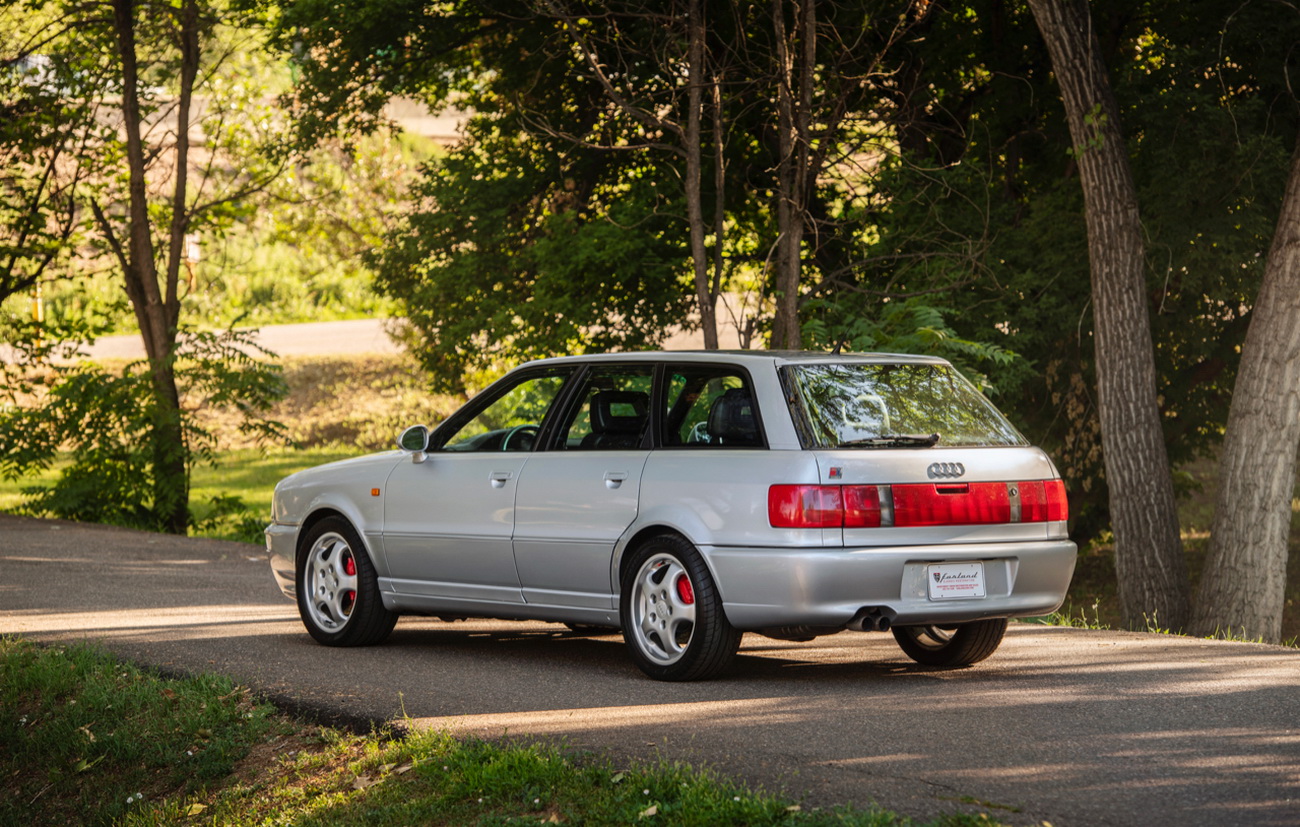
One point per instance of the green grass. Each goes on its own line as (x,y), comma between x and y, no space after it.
(80,733)
(251,475)
(86,739)
(247,473)
(1071,617)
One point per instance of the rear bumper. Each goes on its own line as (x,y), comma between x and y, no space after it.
(767,587)
(280,543)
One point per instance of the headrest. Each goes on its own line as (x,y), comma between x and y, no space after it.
(619,412)
(731,419)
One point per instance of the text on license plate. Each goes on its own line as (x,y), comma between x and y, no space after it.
(954,581)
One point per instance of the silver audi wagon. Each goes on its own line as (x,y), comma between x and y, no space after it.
(687,498)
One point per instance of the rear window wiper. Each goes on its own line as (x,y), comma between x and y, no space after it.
(893,441)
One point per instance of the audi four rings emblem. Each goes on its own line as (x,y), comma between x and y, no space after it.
(945,469)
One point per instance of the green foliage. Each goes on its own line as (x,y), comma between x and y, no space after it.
(522,249)
(146,85)
(300,254)
(558,223)
(47,118)
(907,326)
(105,419)
(983,207)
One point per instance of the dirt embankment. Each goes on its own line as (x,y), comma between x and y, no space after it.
(355,401)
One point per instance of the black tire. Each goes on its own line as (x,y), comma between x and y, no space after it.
(951,645)
(338,590)
(674,631)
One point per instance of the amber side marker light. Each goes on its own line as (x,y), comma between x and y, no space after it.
(374,492)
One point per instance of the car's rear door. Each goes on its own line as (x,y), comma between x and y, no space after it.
(577,498)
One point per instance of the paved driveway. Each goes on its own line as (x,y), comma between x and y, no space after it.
(1067,726)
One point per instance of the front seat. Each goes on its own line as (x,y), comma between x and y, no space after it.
(732,420)
(617,420)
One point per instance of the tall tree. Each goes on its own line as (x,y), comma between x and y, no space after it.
(671,118)
(1149,558)
(152,186)
(618,79)
(796,64)
(1243,586)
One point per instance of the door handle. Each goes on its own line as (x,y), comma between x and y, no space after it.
(500,478)
(613,479)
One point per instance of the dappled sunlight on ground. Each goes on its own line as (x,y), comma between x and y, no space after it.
(1063,725)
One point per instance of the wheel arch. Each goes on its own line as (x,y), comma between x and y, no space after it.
(642,532)
(323,512)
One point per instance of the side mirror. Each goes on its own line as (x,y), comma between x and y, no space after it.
(416,440)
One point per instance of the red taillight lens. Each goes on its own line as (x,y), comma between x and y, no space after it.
(861,506)
(1043,501)
(973,503)
(1033,502)
(914,505)
(805,506)
(1058,508)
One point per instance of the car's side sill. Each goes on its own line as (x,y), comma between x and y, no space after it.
(465,607)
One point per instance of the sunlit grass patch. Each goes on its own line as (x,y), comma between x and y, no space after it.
(1072,617)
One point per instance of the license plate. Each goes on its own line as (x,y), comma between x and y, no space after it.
(955,581)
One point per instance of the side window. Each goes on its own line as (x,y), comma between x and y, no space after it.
(612,410)
(512,420)
(710,407)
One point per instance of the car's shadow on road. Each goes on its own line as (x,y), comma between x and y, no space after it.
(766,666)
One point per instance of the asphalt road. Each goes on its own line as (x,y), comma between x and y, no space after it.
(351,337)
(1068,726)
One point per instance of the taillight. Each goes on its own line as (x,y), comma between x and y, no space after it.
(805,506)
(915,504)
(1043,501)
(1058,508)
(861,506)
(974,503)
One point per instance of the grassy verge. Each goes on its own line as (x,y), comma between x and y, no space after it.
(251,475)
(247,473)
(86,739)
(81,733)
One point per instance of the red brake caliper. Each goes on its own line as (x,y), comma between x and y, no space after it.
(684,590)
(350,567)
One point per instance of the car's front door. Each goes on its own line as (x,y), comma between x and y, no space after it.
(576,499)
(449,517)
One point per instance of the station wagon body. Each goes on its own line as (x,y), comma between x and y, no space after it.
(687,498)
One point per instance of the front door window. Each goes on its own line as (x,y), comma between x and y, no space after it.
(512,420)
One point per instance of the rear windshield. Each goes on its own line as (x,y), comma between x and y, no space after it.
(890,406)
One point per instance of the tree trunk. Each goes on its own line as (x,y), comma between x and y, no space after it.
(694,171)
(793,114)
(1149,560)
(1243,588)
(719,187)
(156,311)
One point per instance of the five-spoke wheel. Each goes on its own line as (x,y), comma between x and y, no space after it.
(338,592)
(331,582)
(672,615)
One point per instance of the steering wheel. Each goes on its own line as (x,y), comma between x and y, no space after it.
(526,434)
(699,433)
